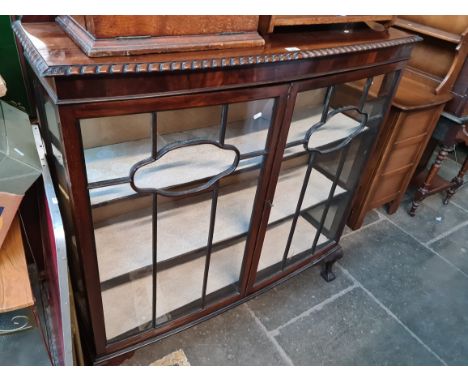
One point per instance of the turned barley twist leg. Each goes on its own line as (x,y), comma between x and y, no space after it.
(457,181)
(423,190)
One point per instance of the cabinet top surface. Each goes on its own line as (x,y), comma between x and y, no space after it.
(52,53)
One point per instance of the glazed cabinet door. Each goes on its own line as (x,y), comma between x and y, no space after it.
(330,132)
(174,188)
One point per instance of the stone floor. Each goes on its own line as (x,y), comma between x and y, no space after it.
(400,298)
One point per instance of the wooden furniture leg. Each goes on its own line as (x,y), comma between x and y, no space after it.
(422,191)
(457,181)
(327,264)
(393,206)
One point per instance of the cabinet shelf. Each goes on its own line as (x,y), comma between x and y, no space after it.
(117,255)
(181,285)
(104,163)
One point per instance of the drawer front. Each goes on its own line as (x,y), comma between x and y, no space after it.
(413,131)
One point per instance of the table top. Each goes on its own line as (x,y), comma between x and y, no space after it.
(55,54)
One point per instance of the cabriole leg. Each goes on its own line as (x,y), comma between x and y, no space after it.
(327,265)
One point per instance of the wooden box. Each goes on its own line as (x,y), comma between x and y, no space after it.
(269,23)
(101,36)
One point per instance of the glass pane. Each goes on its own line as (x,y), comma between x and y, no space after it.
(183,229)
(113,144)
(172,199)
(182,235)
(331,133)
(350,94)
(123,237)
(247,124)
(288,190)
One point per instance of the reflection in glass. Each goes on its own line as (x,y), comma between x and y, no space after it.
(173,241)
(328,141)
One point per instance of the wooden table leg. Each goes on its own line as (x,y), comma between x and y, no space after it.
(423,190)
(457,181)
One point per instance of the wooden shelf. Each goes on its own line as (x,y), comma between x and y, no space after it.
(15,287)
(184,229)
(181,285)
(428,31)
(437,185)
(114,161)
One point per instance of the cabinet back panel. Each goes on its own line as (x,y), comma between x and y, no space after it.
(112,130)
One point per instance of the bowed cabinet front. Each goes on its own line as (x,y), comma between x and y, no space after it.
(187,204)
(182,203)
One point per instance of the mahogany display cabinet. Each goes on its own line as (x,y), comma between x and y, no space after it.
(190,182)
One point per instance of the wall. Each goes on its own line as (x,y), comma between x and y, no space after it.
(10,68)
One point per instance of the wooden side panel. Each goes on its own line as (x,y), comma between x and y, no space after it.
(15,287)
(124,26)
(452,24)
(459,103)
(440,62)
(413,134)
(80,20)
(268,23)
(398,160)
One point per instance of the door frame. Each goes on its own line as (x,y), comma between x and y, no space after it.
(72,144)
(297,87)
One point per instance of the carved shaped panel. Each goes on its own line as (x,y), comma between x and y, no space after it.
(338,128)
(184,163)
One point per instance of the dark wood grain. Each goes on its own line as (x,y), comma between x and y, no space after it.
(128,26)
(54,54)
(104,36)
(458,106)
(267,24)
